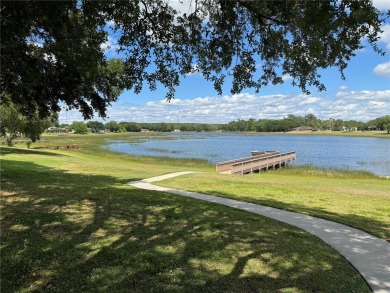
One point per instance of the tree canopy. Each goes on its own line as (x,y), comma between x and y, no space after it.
(52,51)
(13,124)
(79,127)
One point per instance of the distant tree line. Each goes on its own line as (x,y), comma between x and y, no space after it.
(291,121)
(286,124)
(14,125)
(166,127)
(97,127)
(381,123)
(113,126)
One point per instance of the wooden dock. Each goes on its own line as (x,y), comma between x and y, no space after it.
(257,162)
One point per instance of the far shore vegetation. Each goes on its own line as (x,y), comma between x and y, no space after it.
(290,123)
(14,125)
(70,222)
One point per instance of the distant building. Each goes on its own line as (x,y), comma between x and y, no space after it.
(57,130)
(303,128)
(346,129)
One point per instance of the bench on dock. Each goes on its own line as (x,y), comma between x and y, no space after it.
(257,162)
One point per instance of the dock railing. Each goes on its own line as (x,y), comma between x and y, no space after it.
(255,163)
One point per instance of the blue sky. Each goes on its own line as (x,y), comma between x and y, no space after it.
(364,95)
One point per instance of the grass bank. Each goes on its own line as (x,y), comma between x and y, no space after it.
(70,223)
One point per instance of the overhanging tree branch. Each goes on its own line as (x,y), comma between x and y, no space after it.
(295,36)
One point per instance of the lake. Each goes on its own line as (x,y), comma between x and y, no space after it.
(346,153)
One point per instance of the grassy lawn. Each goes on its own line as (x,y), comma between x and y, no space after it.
(356,199)
(70,223)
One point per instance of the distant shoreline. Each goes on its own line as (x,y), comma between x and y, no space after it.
(379,134)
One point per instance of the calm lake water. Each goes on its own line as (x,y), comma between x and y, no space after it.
(348,153)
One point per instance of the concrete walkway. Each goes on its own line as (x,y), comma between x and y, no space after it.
(368,254)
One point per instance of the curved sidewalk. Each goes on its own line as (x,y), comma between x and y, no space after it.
(368,254)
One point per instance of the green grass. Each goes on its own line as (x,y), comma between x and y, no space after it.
(70,223)
(357,199)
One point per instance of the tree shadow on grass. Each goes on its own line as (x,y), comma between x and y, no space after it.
(369,225)
(10,150)
(64,232)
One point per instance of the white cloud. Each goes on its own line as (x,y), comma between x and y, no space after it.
(383,69)
(194,70)
(364,95)
(35,44)
(110,24)
(287,77)
(381,4)
(358,105)
(384,37)
(310,100)
(182,7)
(110,46)
(343,88)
